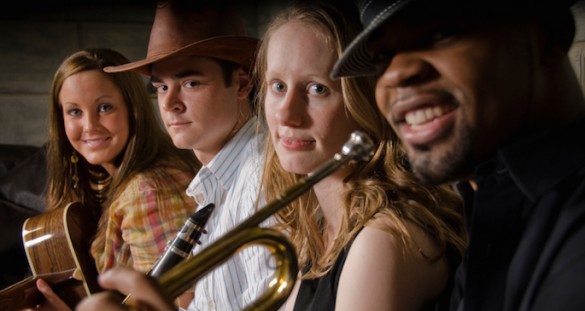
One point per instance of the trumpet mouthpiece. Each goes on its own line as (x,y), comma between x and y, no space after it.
(359,147)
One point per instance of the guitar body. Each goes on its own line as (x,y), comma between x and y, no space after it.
(57,245)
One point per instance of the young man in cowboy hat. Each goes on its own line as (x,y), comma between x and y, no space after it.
(482,92)
(198,61)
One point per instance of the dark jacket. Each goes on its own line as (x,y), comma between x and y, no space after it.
(527,227)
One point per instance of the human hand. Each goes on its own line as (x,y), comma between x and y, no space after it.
(185,298)
(146,293)
(52,301)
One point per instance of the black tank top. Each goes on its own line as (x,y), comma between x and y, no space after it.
(320,294)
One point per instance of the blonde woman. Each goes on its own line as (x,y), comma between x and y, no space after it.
(368,237)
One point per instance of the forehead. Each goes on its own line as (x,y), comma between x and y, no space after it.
(295,33)
(182,66)
(89,80)
(299,47)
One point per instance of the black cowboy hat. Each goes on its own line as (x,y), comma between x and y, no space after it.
(356,60)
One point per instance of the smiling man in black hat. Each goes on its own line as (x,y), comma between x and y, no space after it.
(482,92)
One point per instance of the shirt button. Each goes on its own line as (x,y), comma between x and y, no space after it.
(211,305)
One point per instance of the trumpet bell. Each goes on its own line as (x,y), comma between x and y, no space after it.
(187,273)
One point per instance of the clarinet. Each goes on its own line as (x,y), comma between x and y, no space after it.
(182,245)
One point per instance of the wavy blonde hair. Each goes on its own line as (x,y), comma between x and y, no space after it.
(383,188)
(148,143)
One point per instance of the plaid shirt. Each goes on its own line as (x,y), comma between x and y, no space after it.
(144,218)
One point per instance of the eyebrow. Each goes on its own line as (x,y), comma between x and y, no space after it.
(179,75)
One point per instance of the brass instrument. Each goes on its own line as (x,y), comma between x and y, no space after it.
(184,275)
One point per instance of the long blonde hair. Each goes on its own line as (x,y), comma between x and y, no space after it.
(148,144)
(383,187)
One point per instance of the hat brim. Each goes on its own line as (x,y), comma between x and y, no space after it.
(356,60)
(237,49)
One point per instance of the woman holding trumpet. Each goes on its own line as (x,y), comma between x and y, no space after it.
(368,236)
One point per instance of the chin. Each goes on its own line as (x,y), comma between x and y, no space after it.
(295,168)
(96,162)
(435,169)
(181,144)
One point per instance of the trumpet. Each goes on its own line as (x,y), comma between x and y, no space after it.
(185,274)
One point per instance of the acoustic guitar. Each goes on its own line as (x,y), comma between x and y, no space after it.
(57,248)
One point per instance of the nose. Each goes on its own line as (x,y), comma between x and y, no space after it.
(90,121)
(171,100)
(407,69)
(290,111)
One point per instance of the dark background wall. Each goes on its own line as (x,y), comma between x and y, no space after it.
(36,35)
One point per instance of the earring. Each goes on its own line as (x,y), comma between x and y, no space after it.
(74,159)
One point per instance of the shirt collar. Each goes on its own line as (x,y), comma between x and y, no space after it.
(229,158)
(541,161)
(222,170)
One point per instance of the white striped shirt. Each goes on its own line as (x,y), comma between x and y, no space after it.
(231,181)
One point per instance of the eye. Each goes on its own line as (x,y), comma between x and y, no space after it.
(381,61)
(278,87)
(191,84)
(105,107)
(382,56)
(160,88)
(444,33)
(74,112)
(317,89)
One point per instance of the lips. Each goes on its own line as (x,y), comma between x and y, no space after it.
(421,118)
(296,144)
(178,124)
(96,142)
(424,115)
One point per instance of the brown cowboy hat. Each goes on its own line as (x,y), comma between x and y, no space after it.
(182,28)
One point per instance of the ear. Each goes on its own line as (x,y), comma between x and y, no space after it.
(244,82)
(566,30)
(559,32)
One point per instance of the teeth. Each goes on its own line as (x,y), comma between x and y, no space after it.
(93,142)
(424,115)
